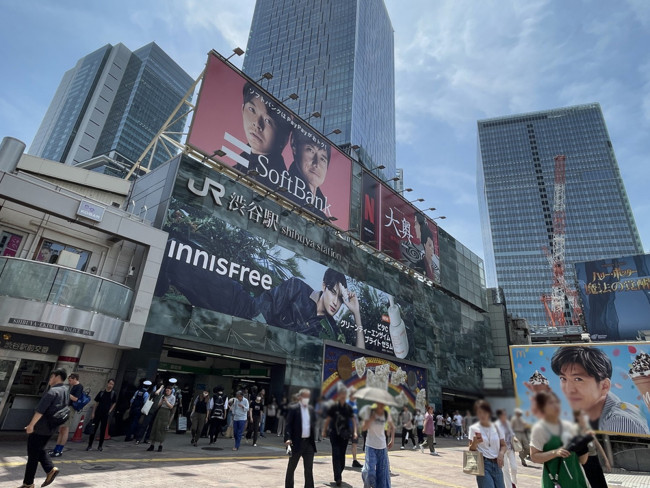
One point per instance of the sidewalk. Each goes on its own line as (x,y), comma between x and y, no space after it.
(125,465)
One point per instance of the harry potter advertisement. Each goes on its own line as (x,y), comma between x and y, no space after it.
(215,265)
(394,226)
(406,382)
(262,139)
(615,295)
(608,383)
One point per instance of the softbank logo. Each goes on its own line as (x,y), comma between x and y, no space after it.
(235,156)
(214,187)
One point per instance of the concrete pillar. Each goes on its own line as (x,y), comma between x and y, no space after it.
(69,357)
(11,149)
(607,446)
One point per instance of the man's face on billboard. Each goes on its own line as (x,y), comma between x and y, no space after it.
(313,162)
(581,390)
(429,250)
(332,299)
(261,130)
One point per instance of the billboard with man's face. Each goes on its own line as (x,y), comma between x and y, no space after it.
(265,141)
(398,229)
(615,295)
(609,384)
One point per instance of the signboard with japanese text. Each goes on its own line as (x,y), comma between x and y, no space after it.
(615,295)
(262,139)
(609,383)
(397,228)
(213,263)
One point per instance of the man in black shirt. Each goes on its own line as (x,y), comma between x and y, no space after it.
(255,416)
(342,426)
(40,429)
(76,390)
(105,402)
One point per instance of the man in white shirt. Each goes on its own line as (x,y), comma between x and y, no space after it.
(458,426)
(300,435)
(240,409)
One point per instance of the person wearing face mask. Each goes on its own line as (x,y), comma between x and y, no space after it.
(240,408)
(199,415)
(300,436)
(255,417)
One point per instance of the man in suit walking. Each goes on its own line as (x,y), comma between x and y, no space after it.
(300,434)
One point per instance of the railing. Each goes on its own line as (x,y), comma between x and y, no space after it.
(555,331)
(33,280)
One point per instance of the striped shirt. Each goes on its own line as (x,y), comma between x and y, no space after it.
(621,417)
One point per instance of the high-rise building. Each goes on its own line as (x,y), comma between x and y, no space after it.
(338,57)
(112,102)
(516,188)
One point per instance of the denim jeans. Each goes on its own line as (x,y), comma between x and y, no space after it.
(238,431)
(493,476)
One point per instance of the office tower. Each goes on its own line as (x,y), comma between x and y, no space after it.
(112,102)
(337,56)
(517,171)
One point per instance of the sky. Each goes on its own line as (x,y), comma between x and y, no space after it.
(457,61)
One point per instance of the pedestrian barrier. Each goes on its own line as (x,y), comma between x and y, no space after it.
(80,430)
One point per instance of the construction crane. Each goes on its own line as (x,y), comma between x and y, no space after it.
(560,289)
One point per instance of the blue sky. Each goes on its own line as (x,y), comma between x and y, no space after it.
(457,61)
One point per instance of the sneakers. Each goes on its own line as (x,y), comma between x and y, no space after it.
(26,486)
(402,448)
(56,454)
(356,464)
(415,447)
(422,449)
(434,453)
(160,448)
(150,448)
(89,448)
(50,477)
(100,448)
(255,445)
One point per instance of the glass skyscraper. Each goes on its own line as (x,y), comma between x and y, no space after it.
(516,174)
(112,102)
(338,57)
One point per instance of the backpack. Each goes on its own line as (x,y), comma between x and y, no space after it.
(62,413)
(219,408)
(138,401)
(342,426)
(81,402)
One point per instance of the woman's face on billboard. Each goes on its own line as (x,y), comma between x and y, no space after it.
(313,163)
(429,250)
(261,130)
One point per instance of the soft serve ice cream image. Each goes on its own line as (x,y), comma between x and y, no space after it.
(640,374)
(538,382)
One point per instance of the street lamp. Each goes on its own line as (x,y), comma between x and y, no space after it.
(266,76)
(381,166)
(394,178)
(237,51)
(314,114)
(417,200)
(442,217)
(405,189)
(293,96)
(335,131)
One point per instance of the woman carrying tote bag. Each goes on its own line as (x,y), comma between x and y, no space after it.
(488,442)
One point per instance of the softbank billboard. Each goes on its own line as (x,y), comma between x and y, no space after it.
(265,141)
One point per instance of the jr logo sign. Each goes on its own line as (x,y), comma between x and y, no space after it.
(215,188)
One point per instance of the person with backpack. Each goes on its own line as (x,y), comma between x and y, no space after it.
(199,415)
(217,408)
(51,412)
(138,400)
(105,402)
(78,400)
(342,427)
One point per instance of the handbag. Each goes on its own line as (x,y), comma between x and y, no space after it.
(473,463)
(89,429)
(147,406)
(580,444)
(517,446)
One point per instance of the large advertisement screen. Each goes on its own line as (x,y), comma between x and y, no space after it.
(398,229)
(610,383)
(615,295)
(215,265)
(262,139)
(406,382)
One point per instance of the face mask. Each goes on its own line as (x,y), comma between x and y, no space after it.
(258,399)
(304,401)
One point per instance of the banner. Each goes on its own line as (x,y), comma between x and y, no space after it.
(406,382)
(615,295)
(610,383)
(218,266)
(265,141)
(397,228)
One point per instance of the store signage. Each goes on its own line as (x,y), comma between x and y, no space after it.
(47,325)
(20,342)
(91,211)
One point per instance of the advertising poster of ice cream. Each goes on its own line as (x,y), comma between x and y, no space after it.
(609,383)
(405,381)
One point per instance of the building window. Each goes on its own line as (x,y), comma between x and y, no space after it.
(58,253)
(9,243)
